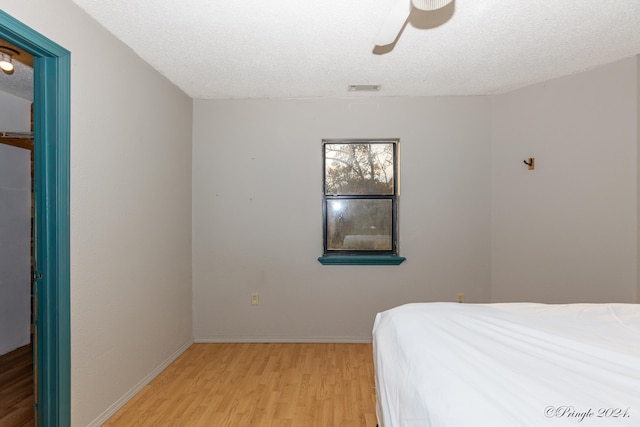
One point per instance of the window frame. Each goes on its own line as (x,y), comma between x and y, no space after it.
(361,256)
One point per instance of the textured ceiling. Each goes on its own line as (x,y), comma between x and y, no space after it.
(20,82)
(292,48)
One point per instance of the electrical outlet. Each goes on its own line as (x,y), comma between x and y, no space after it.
(255,298)
(460,297)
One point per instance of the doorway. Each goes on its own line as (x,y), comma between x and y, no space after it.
(16,297)
(51,220)
(16,240)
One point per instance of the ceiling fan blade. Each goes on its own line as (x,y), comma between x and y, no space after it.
(392,26)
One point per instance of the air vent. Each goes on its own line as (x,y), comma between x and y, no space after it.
(364,88)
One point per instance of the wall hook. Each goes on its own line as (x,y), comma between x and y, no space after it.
(531,163)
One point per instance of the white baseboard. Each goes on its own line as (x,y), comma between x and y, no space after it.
(136,389)
(337,340)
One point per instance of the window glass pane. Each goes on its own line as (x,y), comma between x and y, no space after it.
(359,224)
(357,169)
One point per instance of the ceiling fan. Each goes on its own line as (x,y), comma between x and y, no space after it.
(399,14)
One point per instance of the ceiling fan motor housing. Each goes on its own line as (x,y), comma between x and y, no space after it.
(430,4)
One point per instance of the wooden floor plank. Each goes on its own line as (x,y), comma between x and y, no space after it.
(258,384)
(16,388)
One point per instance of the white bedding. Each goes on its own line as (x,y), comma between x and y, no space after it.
(494,365)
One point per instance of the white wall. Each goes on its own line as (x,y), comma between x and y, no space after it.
(257,218)
(15,113)
(15,247)
(566,232)
(15,228)
(638,173)
(130,210)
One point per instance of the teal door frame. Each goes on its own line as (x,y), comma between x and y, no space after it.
(51,111)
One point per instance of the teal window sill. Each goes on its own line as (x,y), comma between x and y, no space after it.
(361,260)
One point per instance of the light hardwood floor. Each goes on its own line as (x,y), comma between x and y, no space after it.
(259,385)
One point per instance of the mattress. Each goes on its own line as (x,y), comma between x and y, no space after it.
(523,364)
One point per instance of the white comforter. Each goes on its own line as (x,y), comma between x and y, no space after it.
(494,365)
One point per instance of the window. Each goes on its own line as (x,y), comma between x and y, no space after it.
(360,202)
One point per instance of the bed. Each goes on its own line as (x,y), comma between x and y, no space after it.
(494,365)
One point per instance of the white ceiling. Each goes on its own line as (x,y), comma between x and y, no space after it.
(290,48)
